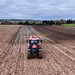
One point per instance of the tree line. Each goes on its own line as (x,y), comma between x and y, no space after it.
(51,22)
(36,22)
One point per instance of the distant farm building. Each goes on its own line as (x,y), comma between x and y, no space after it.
(6,22)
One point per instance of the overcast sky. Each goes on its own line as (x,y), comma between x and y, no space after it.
(37,9)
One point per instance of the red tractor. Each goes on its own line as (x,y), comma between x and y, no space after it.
(34,47)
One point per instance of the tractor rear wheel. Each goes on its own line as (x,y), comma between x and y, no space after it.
(28,55)
(40,55)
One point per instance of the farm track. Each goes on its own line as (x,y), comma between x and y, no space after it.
(58,55)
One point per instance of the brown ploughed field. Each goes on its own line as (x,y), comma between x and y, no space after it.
(58,50)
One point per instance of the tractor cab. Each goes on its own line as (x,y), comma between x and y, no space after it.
(33,44)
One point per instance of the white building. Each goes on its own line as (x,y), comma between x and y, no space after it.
(0,22)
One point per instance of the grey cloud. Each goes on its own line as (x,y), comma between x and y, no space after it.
(37,9)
